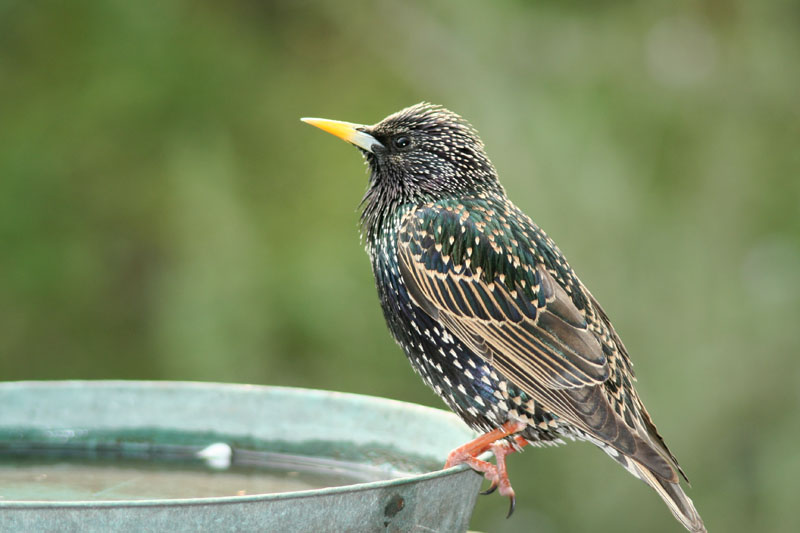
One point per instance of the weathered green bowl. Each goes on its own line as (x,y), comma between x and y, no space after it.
(139,416)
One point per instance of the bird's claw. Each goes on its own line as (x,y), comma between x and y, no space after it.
(497,474)
(511,506)
(499,480)
(491,489)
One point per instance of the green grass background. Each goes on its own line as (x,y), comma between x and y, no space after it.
(164,214)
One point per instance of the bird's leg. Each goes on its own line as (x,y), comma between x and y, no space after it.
(473,448)
(500,481)
(496,474)
(500,450)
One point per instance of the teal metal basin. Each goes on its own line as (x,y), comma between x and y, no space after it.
(377,461)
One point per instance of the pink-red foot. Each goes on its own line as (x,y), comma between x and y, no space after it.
(497,474)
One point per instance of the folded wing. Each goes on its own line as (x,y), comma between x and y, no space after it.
(519,308)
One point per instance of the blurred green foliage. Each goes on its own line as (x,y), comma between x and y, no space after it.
(164,214)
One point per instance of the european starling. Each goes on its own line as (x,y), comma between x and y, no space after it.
(488,310)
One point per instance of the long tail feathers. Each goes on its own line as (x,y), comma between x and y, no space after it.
(678,502)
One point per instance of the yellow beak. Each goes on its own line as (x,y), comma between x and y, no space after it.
(347,131)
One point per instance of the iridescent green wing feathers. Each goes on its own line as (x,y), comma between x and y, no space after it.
(476,271)
(486,272)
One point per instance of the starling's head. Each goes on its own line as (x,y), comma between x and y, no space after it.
(424,150)
(422,153)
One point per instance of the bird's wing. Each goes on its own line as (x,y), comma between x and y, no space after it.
(505,305)
(479,275)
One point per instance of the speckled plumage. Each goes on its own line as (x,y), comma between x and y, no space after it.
(488,310)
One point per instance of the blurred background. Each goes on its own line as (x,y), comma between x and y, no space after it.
(165,215)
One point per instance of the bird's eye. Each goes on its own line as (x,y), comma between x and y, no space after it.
(401,141)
